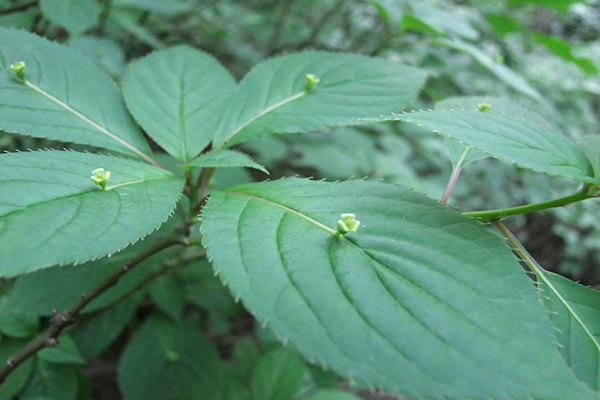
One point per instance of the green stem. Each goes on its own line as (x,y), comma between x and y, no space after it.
(491,215)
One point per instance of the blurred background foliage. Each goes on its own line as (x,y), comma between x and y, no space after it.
(542,55)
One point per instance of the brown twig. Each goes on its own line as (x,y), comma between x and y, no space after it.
(61,320)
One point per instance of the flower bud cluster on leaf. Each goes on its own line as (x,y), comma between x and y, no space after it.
(348,223)
(19,69)
(100,177)
(311,81)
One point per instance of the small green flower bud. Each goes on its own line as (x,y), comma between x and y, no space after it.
(348,223)
(19,69)
(483,107)
(100,177)
(311,80)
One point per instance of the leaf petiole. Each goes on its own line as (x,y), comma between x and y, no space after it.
(490,215)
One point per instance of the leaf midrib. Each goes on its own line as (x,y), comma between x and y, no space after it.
(81,193)
(89,121)
(262,113)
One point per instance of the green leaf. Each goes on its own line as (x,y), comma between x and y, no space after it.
(510,139)
(449,21)
(76,16)
(337,155)
(272,97)
(65,352)
(333,394)
(52,381)
(170,362)
(168,293)
(207,291)
(576,315)
(411,23)
(497,105)
(415,272)
(323,378)
(19,324)
(503,24)
(159,6)
(225,159)
(15,382)
(278,374)
(64,97)
(563,50)
(129,22)
(51,212)
(100,331)
(178,96)
(556,4)
(590,145)
(106,54)
(500,70)
(235,389)
(244,355)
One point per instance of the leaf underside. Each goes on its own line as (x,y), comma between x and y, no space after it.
(420,300)
(509,139)
(51,212)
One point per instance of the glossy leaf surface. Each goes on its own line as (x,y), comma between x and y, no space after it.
(420,300)
(51,212)
(178,96)
(510,139)
(65,97)
(272,97)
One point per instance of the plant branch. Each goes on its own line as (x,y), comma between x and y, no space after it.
(491,215)
(167,266)
(18,7)
(59,321)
